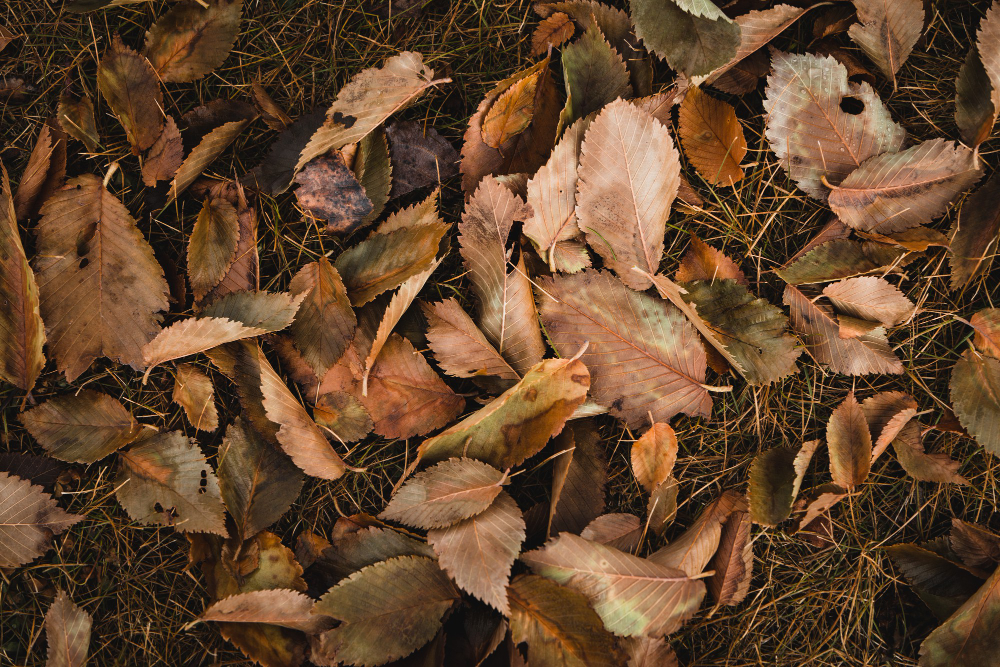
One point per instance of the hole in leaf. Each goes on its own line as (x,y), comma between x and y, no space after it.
(852,105)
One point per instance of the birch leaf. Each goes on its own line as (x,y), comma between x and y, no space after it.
(594,75)
(579,475)
(76,118)
(703,262)
(325,323)
(887,413)
(44,173)
(692,38)
(975,103)
(132,90)
(973,241)
(212,247)
(757,29)
(888,31)
(511,113)
(194,392)
(29,518)
(850,443)
(461,349)
(732,562)
(445,494)
(67,632)
(712,138)
(870,298)
(420,157)
(191,40)
(165,155)
(553,31)
(693,549)
(621,531)
(81,428)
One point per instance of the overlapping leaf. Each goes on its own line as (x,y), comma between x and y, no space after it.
(29,518)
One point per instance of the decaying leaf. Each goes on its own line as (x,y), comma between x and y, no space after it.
(445,494)
(518,423)
(757,29)
(461,349)
(89,247)
(165,155)
(44,173)
(132,90)
(643,355)
(67,632)
(850,442)
(212,246)
(693,36)
(633,596)
(733,561)
(81,428)
(192,39)
(76,118)
(942,583)
(329,190)
(420,157)
(210,147)
(278,606)
(712,137)
(629,175)
(552,31)
(344,415)
(579,475)
(976,546)
(166,480)
(888,31)
(973,241)
(324,324)
(703,262)
(558,625)
(653,456)
(620,531)
(387,610)
(775,479)
(887,413)
(29,518)
(975,101)
(594,74)
(811,134)
(21,331)
(893,192)
(193,391)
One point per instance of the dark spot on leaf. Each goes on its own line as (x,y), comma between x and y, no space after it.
(579,378)
(531,394)
(852,106)
(347,121)
(84,238)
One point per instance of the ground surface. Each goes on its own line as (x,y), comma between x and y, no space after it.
(840,605)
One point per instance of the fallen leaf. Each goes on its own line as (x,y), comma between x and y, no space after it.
(648,652)
(387,610)
(920,465)
(243,273)
(976,546)
(210,147)
(132,90)
(39,470)
(445,494)
(420,157)
(850,443)
(692,550)
(329,190)
(757,29)
(974,235)
(364,545)
(594,75)
(558,625)
(274,174)
(280,606)
(89,246)
(325,323)
(67,632)
(887,32)
(870,298)
(270,111)
(975,103)
(165,155)
(518,423)
(21,330)
(165,480)
(653,456)
(461,349)
(76,118)
(703,262)
(644,356)
(629,175)
(712,137)
(257,483)
(553,32)
(975,397)
(579,475)
(212,246)
(633,596)
(887,413)
(811,134)
(619,531)
(512,111)
(662,506)
(344,415)
(775,480)
(732,562)
(44,174)
(893,192)
(967,637)
(839,258)
(29,518)
(693,36)
(81,428)
(191,39)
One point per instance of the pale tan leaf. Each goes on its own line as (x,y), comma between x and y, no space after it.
(445,494)
(648,652)
(165,155)
(278,606)
(629,174)
(21,331)
(210,147)
(166,480)
(653,456)
(633,596)
(367,100)
(896,191)
(712,137)
(81,428)
(132,90)
(820,334)
(29,518)
(620,531)
(887,31)
(850,442)
(643,355)
(101,288)
(870,298)
(757,29)
(212,246)
(191,40)
(691,551)
(325,323)
(461,349)
(810,133)
(479,552)
(194,392)
(67,632)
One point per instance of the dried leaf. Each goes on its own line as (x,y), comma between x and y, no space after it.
(202,155)
(775,479)
(629,175)
(920,465)
(633,596)
(76,118)
(809,131)
(703,262)
(865,354)
(165,480)
(29,519)
(850,443)
(941,583)
(889,193)
(507,312)
(975,397)
(344,415)
(44,173)
(325,323)
(553,31)
(838,258)
(420,157)
(619,531)
(579,475)
(558,625)
(461,349)
(243,273)
(968,637)
(191,39)
(274,175)
(367,100)
(329,190)
(870,298)
(757,29)
(212,247)
(81,428)
(976,546)
(270,112)
(511,113)
(21,330)
(445,494)
(986,324)
(518,423)
(733,562)
(387,610)
(132,90)
(257,482)
(67,632)
(165,155)
(653,456)
(479,552)
(280,606)
(888,31)
(887,413)
(594,74)
(691,551)
(975,107)
(648,652)
(693,36)
(973,241)
(39,470)
(643,355)
(712,137)
(89,247)
(364,546)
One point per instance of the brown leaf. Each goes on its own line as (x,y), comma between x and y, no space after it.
(461,349)
(973,241)
(132,90)
(840,258)
(887,413)
(165,480)
(270,112)
(976,546)
(703,262)
(920,465)
(243,273)
(511,113)
(757,29)
(888,31)
(210,147)
(850,443)
(67,632)
(733,562)
(279,606)
(821,335)
(344,415)
(629,175)
(712,137)
(44,173)
(518,423)
(212,246)
(870,298)
(968,637)
(975,397)
(895,191)
(478,552)
(594,75)
(558,625)
(445,494)
(644,357)
(193,391)
(165,155)
(387,610)
(507,312)
(653,456)
(775,479)
(325,323)
(620,531)
(694,37)
(21,330)
(579,475)
(76,118)
(551,32)
(329,190)
(943,584)
(662,506)
(648,652)
(420,157)
(81,428)
(691,551)
(89,247)
(39,470)
(633,596)
(191,40)
(975,100)
(28,520)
